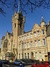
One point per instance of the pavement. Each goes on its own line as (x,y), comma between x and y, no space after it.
(28,66)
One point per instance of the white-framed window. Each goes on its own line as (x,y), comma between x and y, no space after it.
(38,32)
(28,55)
(30,43)
(39,42)
(35,52)
(22,45)
(34,42)
(25,37)
(19,55)
(27,44)
(35,34)
(25,55)
(30,35)
(44,41)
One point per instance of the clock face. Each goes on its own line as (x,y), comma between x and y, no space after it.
(16,17)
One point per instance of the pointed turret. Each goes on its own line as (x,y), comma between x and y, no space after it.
(42,19)
(42,22)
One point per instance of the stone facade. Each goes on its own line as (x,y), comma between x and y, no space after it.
(33,44)
(0,54)
(6,44)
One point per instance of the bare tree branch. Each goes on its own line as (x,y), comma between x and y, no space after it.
(24,4)
(2,11)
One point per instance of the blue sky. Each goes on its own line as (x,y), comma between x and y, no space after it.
(31,18)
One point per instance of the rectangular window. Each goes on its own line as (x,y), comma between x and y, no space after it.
(38,32)
(35,52)
(34,33)
(42,31)
(35,42)
(38,42)
(23,45)
(25,37)
(25,55)
(31,35)
(28,55)
(44,41)
(22,56)
(40,52)
(19,56)
(30,43)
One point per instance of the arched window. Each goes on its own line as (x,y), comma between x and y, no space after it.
(5,43)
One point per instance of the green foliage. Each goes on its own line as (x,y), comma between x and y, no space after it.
(9,54)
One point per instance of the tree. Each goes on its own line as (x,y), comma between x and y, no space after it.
(10,55)
(24,5)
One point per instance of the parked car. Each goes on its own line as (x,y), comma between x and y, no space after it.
(26,61)
(3,62)
(19,63)
(29,61)
(0,63)
(41,64)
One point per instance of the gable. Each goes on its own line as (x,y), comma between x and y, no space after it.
(36,27)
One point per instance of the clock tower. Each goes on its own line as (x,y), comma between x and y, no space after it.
(17,28)
(18,23)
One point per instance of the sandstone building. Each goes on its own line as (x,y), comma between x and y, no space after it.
(34,44)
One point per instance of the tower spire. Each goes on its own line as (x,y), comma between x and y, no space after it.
(19,5)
